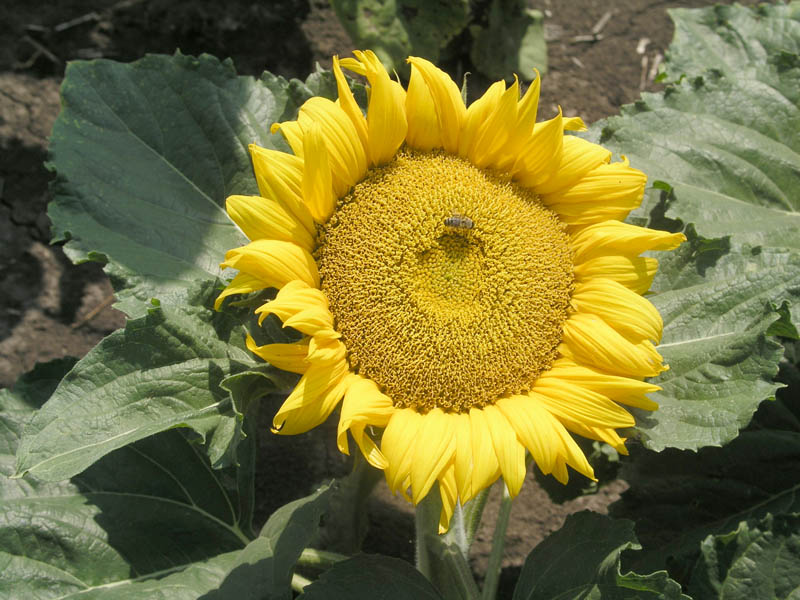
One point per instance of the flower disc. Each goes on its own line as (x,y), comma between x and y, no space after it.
(449,284)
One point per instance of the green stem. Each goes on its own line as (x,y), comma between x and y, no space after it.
(441,557)
(319,559)
(498,542)
(473,511)
(426,519)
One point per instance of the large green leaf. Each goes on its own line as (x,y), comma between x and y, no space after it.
(174,367)
(150,520)
(146,153)
(731,39)
(723,151)
(152,507)
(678,498)
(758,560)
(581,561)
(716,306)
(371,576)
(263,570)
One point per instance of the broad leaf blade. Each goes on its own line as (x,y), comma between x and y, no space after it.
(371,576)
(263,569)
(146,153)
(153,507)
(717,311)
(164,370)
(731,38)
(678,498)
(761,559)
(581,560)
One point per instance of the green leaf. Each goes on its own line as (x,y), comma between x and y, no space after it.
(511,43)
(717,310)
(400,28)
(759,560)
(149,509)
(723,152)
(371,576)
(581,561)
(731,39)
(170,368)
(146,153)
(263,570)
(678,498)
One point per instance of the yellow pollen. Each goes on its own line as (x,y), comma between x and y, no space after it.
(449,283)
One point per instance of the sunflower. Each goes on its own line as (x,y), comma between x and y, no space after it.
(462,278)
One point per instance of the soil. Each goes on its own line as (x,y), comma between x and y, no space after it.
(51,308)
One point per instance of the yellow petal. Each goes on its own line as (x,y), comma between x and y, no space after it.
(449,494)
(280,176)
(541,154)
(423,125)
(287,357)
(544,436)
(450,109)
(477,115)
(243,283)
(609,436)
(300,306)
(566,400)
(463,458)
(510,453)
(313,399)
(493,135)
(317,182)
(522,127)
(636,273)
(434,447)
(363,405)
(616,184)
(535,428)
(368,447)
(293,133)
(351,64)
(398,447)
(346,156)
(574,124)
(573,455)
(325,349)
(578,158)
(486,468)
(275,262)
(626,311)
(386,115)
(589,340)
(620,389)
(349,105)
(615,237)
(268,218)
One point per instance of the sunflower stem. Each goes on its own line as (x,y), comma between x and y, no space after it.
(498,543)
(442,558)
(473,512)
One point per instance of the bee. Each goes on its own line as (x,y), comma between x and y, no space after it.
(457,221)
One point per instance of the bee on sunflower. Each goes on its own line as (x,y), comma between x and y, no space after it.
(465,345)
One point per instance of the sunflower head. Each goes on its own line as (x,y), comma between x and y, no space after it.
(463,278)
